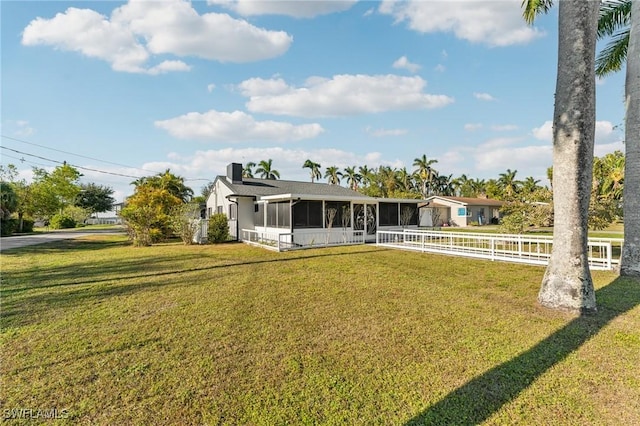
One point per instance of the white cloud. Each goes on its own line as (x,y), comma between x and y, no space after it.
(470,127)
(499,157)
(235,126)
(403,63)
(207,164)
(23,129)
(341,95)
(504,127)
(497,23)
(484,97)
(139,29)
(440,68)
(210,87)
(261,87)
(380,133)
(605,132)
(544,132)
(296,9)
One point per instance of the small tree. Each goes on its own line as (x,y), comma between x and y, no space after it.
(146,214)
(185,221)
(218,231)
(331,213)
(406,214)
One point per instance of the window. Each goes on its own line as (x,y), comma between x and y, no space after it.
(463,211)
(388,214)
(284,214)
(278,215)
(219,209)
(233,211)
(209,212)
(342,216)
(258,215)
(307,214)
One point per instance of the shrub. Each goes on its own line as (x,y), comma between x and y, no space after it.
(218,230)
(27,225)
(60,221)
(7,226)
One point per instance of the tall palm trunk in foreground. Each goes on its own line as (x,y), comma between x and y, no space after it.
(630,262)
(567,282)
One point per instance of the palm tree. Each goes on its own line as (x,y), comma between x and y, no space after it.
(388,180)
(314,169)
(333,175)
(405,180)
(425,172)
(353,178)
(509,184)
(169,182)
(365,175)
(630,260)
(530,184)
(567,283)
(247,170)
(613,23)
(479,187)
(265,168)
(444,185)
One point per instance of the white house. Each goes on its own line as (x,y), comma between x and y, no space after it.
(459,211)
(304,213)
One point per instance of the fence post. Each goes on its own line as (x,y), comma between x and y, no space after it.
(493,248)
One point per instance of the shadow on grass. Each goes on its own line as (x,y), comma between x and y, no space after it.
(477,400)
(71,285)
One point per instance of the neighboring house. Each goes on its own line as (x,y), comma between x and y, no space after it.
(459,211)
(302,209)
(111,217)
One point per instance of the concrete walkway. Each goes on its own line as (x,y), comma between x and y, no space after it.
(7,243)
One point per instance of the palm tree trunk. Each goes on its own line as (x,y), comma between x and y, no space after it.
(630,262)
(567,282)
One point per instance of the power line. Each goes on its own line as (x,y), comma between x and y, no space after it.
(88,158)
(72,165)
(77,155)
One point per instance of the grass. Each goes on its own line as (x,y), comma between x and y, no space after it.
(233,334)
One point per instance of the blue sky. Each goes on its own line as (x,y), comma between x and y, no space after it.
(133,88)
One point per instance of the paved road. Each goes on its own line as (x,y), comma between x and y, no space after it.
(7,243)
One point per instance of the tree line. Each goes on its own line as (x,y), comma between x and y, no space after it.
(57,198)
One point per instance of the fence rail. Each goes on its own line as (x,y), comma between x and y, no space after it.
(302,239)
(505,247)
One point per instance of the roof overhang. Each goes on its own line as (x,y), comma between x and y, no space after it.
(313,197)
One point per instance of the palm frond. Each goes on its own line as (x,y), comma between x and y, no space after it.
(611,58)
(533,8)
(614,15)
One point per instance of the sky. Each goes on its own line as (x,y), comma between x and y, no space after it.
(128,89)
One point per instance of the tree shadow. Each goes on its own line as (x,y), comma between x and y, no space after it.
(71,285)
(478,399)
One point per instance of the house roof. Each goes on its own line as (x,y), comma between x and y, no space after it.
(466,201)
(251,187)
(281,190)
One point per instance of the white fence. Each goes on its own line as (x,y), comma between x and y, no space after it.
(302,239)
(506,247)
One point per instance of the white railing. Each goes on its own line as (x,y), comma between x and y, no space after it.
(506,247)
(302,239)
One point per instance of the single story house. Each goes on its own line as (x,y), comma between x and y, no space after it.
(459,211)
(110,217)
(304,212)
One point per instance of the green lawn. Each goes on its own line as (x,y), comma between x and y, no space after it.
(233,334)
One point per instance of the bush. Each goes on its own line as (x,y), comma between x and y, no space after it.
(7,226)
(60,221)
(218,230)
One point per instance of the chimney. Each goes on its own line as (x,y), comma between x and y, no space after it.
(234,172)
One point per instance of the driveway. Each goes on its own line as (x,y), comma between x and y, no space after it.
(7,243)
